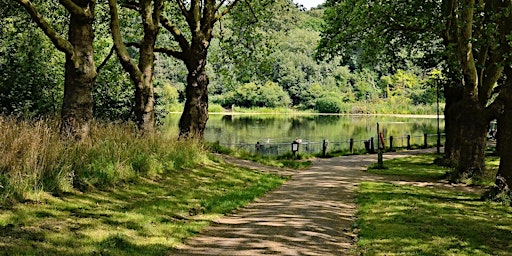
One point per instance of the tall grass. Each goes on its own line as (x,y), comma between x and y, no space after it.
(35,160)
(387,108)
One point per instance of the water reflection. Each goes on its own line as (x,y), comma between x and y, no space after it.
(237,129)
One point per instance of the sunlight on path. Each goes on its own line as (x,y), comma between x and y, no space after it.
(311,214)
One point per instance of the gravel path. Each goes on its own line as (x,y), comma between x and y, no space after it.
(311,214)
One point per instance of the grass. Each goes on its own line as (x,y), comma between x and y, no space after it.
(148,217)
(35,160)
(418,168)
(412,220)
(117,194)
(408,220)
(347,108)
(288,160)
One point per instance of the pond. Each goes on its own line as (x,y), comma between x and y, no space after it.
(245,130)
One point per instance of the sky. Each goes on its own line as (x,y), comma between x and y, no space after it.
(309,3)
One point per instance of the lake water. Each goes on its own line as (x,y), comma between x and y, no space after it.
(245,130)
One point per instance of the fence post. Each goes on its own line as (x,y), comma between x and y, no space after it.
(324,148)
(408,141)
(390,143)
(258,147)
(425,140)
(351,146)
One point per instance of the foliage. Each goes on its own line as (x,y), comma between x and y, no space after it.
(330,103)
(388,33)
(251,94)
(113,94)
(32,70)
(280,43)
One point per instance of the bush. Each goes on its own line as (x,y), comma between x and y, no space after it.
(270,95)
(216,108)
(329,104)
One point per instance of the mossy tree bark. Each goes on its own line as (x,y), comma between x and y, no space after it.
(80,74)
(195,113)
(142,73)
(200,16)
(477,53)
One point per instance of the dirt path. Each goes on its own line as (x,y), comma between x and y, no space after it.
(311,214)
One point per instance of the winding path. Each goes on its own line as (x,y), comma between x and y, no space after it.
(311,214)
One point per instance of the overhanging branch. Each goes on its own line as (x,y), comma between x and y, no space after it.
(60,43)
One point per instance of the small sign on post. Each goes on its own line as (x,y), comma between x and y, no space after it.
(295,147)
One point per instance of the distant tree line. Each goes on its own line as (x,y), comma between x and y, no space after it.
(131,66)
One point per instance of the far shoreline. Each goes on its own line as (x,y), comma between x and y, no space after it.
(229,113)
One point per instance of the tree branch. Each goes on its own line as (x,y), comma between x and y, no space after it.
(60,43)
(72,7)
(130,5)
(104,62)
(184,10)
(226,11)
(166,51)
(172,53)
(122,53)
(176,33)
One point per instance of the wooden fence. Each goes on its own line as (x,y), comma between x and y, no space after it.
(350,146)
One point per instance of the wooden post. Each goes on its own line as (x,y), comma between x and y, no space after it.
(259,148)
(324,148)
(425,140)
(351,146)
(380,147)
(408,141)
(372,147)
(390,143)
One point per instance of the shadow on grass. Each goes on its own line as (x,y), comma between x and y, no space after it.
(416,168)
(147,218)
(399,219)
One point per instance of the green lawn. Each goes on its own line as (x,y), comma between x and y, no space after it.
(419,168)
(411,220)
(146,218)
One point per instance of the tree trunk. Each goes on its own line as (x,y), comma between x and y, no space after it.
(80,77)
(471,139)
(144,90)
(503,181)
(141,74)
(453,95)
(195,113)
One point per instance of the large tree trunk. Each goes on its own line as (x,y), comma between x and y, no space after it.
(453,95)
(195,113)
(503,183)
(80,77)
(504,177)
(471,123)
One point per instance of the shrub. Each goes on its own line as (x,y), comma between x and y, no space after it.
(329,104)
(270,95)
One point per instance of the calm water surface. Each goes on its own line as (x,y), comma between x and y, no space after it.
(252,128)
